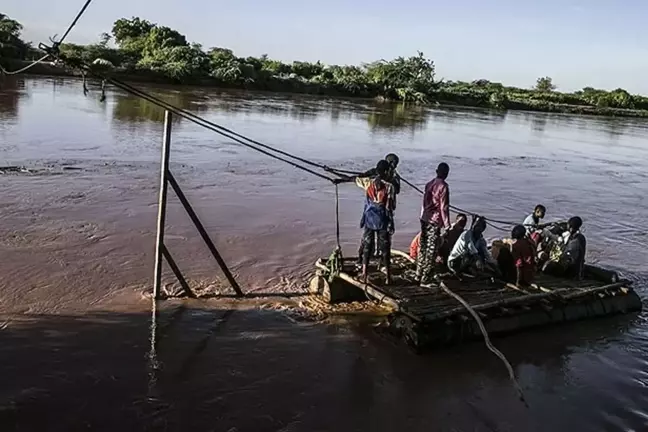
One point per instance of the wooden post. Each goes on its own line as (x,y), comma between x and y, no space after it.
(164,171)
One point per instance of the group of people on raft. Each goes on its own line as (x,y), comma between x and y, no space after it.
(555,248)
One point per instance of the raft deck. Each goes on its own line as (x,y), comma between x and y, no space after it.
(430,315)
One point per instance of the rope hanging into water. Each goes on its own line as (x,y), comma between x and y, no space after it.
(487,340)
(85,85)
(336,260)
(25,69)
(337,216)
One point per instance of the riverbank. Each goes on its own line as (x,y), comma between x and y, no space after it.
(446,95)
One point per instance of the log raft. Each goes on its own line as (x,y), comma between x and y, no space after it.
(427,316)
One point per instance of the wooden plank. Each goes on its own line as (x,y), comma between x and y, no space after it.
(518,300)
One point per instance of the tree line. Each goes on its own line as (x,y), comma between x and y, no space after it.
(147,49)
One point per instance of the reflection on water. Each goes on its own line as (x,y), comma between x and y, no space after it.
(399,116)
(128,108)
(11,93)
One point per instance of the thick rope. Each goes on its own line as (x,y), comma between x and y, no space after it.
(487,340)
(460,210)
(25,69)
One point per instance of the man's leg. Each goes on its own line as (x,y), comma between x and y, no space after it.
(421,258)
(368,241)
(360,250)
(430,251)
(384,244)
(460,265)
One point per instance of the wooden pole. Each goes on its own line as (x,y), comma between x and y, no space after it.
(203,233)
(164,171)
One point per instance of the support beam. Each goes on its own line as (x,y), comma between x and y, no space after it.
(177,272)
(159,239)
(203,233)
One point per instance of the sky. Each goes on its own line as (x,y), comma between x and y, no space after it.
(579,43)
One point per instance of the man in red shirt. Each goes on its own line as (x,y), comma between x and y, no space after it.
(435,216)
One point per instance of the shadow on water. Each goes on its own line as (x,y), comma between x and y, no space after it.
(222,368)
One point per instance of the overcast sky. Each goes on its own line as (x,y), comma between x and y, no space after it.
(579,43)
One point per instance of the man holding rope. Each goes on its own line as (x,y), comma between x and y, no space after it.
(393,178)
(435,217)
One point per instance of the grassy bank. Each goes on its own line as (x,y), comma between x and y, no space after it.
(148,52)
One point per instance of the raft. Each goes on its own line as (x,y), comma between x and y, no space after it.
(429,317)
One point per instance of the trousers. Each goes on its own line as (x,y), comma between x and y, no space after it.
(384,246)
(428,251)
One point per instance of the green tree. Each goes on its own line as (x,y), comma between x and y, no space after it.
(409,78)
(130,34)
(11,45)
(545,85)
(177,62)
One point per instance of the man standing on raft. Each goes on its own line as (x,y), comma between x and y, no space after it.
(435,217)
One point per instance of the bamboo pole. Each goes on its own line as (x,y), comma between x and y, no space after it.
(162,199)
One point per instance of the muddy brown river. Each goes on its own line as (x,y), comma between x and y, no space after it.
(78,204)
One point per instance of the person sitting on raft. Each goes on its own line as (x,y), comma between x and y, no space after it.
(392,177)
(377,216)
(470,251)
(447,243)
(451,237)
(532,222)
(567,258)
(523,252)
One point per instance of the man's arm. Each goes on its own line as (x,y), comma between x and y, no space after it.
(363,182)
(344,179)
(396,181)
(444,206)
(368,173)
(484,254)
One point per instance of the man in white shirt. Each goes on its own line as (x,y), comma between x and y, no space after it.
(532,221)
(471,249)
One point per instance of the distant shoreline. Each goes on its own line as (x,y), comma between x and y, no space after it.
(445,97)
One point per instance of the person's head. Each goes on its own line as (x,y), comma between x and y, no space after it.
(443,170)
(540,211)
(382,168)
(574,224)
(392,159)
(461,220)
(479,226)
(518,232)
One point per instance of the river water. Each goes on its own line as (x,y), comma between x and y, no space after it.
(76,251)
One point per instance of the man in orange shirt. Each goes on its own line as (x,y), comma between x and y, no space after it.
(377,216)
